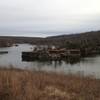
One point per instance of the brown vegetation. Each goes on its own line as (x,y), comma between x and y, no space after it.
(72,40)
(26,85)
(88,43)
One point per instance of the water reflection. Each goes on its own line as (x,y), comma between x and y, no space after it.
(87,66)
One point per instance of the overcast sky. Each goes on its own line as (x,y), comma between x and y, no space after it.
(48,17)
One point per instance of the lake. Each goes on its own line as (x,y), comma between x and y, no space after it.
(89,66)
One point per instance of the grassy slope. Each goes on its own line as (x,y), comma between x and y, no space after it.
(26,85)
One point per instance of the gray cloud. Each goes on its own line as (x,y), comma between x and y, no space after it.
(48,17)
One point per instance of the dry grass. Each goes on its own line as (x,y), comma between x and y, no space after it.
(26,85)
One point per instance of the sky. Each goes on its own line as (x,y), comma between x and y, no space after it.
(41,18)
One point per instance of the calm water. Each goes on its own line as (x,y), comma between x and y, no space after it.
(87,66)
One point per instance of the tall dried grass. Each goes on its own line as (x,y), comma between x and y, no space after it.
(26,85)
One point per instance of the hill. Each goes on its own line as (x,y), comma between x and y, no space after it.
(82,39)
